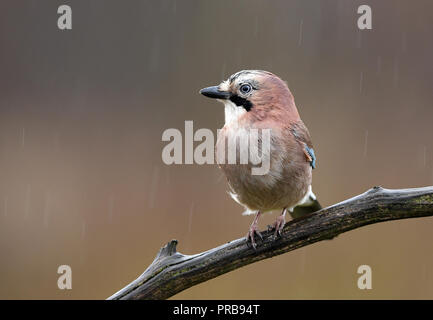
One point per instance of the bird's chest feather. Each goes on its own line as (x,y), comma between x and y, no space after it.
(241,147)
(284,182)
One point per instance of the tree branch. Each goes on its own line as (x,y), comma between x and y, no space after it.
(172,272)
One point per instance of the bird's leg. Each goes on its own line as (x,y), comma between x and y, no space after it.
(280,222)
(254,230)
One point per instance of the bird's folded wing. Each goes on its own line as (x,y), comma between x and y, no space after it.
(301,134)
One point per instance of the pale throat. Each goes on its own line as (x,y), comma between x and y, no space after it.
(232,112)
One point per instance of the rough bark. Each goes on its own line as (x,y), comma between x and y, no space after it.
(172,272)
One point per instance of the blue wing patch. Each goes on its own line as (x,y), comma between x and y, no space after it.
(312,155)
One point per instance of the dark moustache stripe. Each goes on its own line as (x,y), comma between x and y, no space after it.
(239,101)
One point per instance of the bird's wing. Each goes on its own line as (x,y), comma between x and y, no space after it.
(301,134)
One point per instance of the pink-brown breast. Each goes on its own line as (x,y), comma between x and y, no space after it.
(289,176)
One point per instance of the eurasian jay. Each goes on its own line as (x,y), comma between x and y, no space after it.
(256,99)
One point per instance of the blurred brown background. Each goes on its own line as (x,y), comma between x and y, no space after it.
(82,112)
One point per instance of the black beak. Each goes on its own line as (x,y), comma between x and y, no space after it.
(214,92)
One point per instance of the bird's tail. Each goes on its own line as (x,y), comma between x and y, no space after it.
(312,205)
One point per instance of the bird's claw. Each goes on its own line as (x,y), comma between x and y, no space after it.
(250,235)
(279,225)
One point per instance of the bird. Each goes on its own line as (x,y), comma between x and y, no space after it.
(257,99)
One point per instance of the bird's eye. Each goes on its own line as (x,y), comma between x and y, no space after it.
(245,88)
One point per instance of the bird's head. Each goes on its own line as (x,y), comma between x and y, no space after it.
(254,94)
